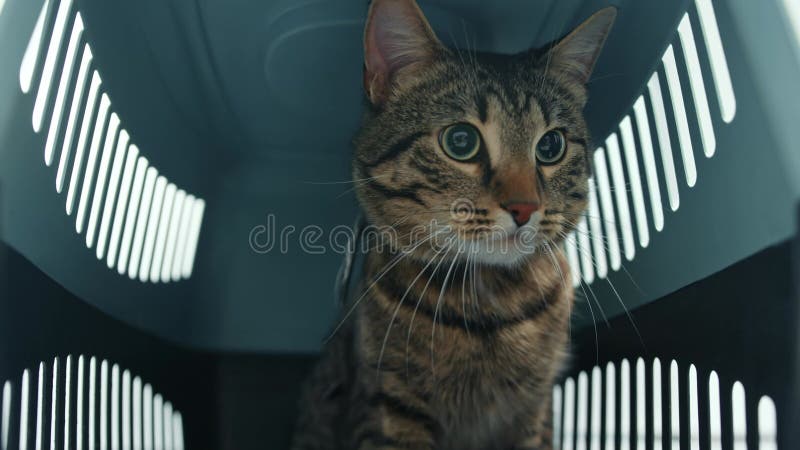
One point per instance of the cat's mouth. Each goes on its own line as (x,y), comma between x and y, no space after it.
(501,245)
(520,237)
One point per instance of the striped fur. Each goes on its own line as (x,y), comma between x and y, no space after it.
(453,346)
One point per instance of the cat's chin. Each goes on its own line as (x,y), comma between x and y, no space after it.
(510,259)
(483,252)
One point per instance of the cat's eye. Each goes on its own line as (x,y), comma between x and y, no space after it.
(551,147)
(460,141)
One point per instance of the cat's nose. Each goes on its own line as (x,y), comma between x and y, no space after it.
(521,212)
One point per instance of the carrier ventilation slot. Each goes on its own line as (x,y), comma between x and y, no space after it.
(116,413)
(622,205)
(130,214)
(646,407)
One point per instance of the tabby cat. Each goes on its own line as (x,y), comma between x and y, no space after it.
(457,345)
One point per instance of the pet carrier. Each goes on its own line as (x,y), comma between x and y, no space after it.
(146,147)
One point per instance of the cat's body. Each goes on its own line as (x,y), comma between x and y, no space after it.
(457,345)
(482,381)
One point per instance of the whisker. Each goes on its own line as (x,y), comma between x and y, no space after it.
(582,283)
(397,309)
(627,313)
(474,275)
(359,180)
(624,307)
(421,297)
(438,302)
(583,214)
(463,289)
(390,265)
(604,242)
(591,311)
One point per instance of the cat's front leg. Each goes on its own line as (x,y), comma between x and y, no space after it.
(538,433)
(536,442)
(394,421)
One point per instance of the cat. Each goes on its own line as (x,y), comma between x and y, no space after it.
(458,345)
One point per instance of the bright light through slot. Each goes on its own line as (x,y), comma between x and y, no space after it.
(596,229)
(583,411)
(664,141)
(621,195)
(698,86)
(63,87)
(132,214)
(91,163)
(716,54)
(694,410)
(28,65)
(607,204)
(77,164)
(111,195)
(69,135)
(679,110)
(632,163)
(102,175)
(49,68)
(648,157)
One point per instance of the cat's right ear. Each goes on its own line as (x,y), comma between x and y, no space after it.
(575,55)
(397,41)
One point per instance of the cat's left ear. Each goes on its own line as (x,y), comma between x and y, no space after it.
(576,54)
(398,41)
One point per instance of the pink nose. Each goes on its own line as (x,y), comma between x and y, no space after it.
(521,212)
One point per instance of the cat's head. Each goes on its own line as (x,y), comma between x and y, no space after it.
(493,146)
